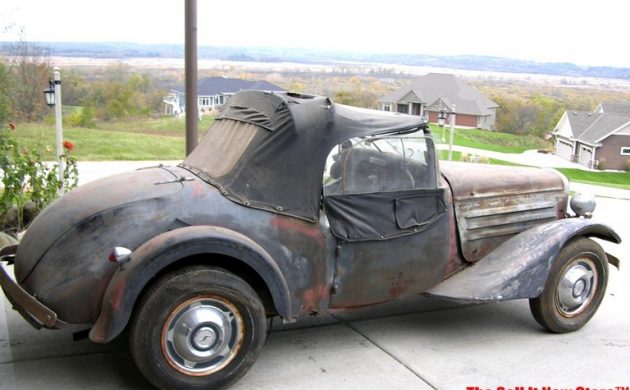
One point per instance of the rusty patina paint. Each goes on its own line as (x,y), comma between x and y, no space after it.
(519,267)
(489,212)
(371,272)
(309,247)
(455,260)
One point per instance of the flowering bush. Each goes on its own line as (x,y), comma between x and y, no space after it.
(69,146)
(26,178)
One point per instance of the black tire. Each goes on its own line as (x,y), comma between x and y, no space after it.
(197,328)
(574,288)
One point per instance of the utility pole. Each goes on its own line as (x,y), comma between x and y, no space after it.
(192,109)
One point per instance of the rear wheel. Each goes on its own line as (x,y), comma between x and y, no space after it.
(574,289)
(196,328)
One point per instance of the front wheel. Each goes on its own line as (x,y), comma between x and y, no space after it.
(574,289)
(197,327)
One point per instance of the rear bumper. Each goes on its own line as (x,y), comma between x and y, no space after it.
(33,311)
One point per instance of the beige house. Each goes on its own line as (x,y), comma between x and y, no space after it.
(429,94)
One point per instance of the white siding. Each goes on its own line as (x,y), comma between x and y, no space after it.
(563,127)
(410,97)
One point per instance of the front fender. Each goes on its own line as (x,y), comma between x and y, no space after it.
(167,248)
(520,266)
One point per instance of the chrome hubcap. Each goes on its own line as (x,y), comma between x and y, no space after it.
(576,287)
(204,338)
(202,335)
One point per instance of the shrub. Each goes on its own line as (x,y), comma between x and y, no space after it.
(83,117)
(602,164)
(628,165)
(26,178)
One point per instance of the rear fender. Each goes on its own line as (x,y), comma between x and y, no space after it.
(165,249)
(519,267)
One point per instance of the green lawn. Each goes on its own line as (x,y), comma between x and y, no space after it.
(490,140)
(165,126)
(443,155)
(164,139)
(609,179)
(137,139)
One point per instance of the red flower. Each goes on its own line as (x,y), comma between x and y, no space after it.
(69,146)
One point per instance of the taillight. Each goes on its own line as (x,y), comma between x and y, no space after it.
(120,255)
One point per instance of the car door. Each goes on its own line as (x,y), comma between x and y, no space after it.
(384,207)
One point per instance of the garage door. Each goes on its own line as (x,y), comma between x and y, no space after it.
(564,150)
(586,154)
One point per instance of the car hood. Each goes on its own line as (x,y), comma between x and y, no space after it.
(88,200)
(482,180)
(493,203)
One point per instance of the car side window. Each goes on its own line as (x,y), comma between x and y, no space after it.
(379,164)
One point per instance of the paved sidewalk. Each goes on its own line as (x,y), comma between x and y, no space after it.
(92,170)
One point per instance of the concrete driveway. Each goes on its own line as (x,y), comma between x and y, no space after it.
(529,157)
(413,344)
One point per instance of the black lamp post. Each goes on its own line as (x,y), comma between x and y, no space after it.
(50,93)
(53,99)
(441,117)
(441,121)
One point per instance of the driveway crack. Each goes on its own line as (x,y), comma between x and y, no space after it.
(377,345)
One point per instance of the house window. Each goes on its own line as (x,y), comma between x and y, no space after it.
(625,151)
(387,107)
(402,108)
(204,101)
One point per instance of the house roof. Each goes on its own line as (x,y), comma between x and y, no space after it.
(211,86)
(593,127)
(428,89)
(614,108)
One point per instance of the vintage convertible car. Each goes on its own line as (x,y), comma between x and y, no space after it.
(293,205)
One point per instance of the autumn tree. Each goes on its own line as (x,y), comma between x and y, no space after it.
(5,90)
(359,92)
(31,70)
(121,93)
(77,91)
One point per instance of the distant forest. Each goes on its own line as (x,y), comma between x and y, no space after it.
(307,56)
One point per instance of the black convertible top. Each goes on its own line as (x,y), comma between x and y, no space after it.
(281,168)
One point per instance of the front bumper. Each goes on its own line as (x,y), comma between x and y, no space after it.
(33,311)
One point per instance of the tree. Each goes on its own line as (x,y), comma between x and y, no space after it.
(5,91)
(76,90)
(122,93)
(31,71)
(360,92)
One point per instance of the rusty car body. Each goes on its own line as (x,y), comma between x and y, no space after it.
(293,205)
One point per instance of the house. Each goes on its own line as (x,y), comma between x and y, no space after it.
(212,93)
(429,94)
(596,139)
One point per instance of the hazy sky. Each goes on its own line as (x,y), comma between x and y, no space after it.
(577,31)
